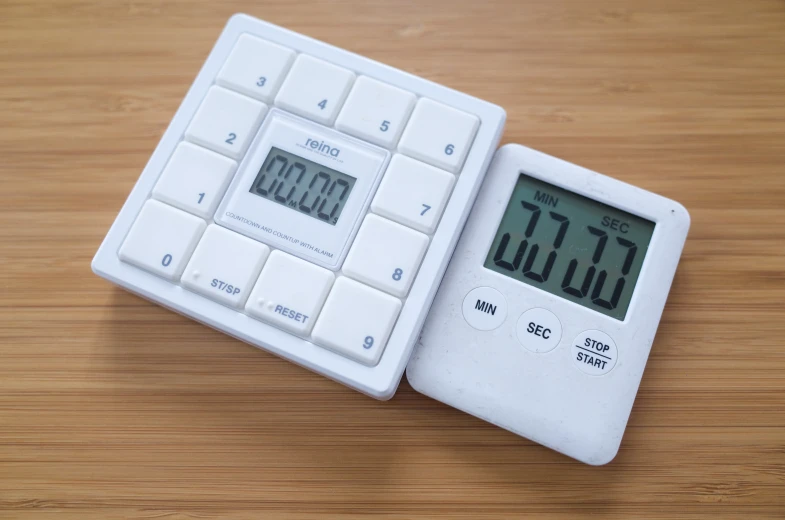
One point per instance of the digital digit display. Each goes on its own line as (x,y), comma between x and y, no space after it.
(571,246)
(303,185)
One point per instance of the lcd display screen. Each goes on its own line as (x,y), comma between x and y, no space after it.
(570,246)
(303,185)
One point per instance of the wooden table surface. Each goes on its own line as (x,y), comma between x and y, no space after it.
(112,407)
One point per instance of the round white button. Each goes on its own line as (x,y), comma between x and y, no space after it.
(539,330)
(594,352)
(484,308)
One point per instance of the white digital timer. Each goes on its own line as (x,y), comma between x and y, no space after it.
(547,312)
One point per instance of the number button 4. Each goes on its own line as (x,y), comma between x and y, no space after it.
(413,193)
(315,89)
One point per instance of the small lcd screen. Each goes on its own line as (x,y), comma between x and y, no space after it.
(570,246)
(303,185)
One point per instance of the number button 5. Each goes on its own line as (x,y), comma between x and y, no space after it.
(376,112)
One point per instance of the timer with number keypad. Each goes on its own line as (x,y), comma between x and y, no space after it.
(305,200)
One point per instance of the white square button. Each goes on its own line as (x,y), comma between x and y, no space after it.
(290,293)
(439,135)
(413,193)
(386,255)
(194,179)
(225,265)
(256,67)
(376,112)
(161,239)
(226,122)
(356,321)
(315,89)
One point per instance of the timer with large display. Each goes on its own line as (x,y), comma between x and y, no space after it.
(570,246)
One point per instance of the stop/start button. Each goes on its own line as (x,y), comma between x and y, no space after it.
(539,330)
(484,308)
(594,352)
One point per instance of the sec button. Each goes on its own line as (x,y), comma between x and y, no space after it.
(484,308)
(539,330)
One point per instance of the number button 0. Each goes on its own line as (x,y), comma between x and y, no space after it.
(376,112)
(439,135)
(386,255)
(356,321)
(413,193)
(162,239)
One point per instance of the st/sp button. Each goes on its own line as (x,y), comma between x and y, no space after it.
(484,308)
(539,330)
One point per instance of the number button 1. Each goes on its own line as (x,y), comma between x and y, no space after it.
(194,179)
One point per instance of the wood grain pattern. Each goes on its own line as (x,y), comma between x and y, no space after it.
(111,407)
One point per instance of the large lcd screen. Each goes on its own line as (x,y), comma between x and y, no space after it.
(303,185)
(570,246)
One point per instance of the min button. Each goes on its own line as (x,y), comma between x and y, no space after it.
(484,308)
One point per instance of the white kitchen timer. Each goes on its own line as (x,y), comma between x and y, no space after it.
(305,200)
(546,315)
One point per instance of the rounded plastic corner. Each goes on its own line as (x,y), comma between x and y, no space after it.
(237,17)
(682,213)
(604,457)
(387,392)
